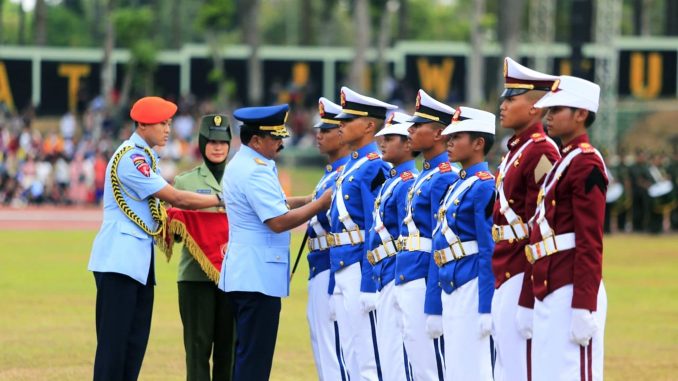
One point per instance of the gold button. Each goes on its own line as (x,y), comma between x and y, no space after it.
(220,209)
(418,192)
(553,202)
(546,283)
(532,278)
(277,257)
(341,263)
(313,269)
(427,165)
(345,197)
(440,284)
(454,215)
(328,168)
(508,275)
(402,277)
(451,283)
(393,172)
(355,155)
(511,201)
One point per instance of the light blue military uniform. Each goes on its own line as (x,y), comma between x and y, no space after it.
(257,259)
(121,246)
(470,219)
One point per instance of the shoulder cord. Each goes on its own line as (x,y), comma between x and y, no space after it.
(158,212)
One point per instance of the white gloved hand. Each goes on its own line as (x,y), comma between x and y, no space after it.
(368,300)
(524,322)
(485,325)
(434,326)
(583,326)
(332,308)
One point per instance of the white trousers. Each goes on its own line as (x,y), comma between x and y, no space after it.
(555,357)
(467,356)
(357,330)
(424,354)
(512,355)
(389,336)
(324,340)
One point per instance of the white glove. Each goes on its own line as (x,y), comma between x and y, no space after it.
(485,325)
(434,326)
(368,300)
(583,326)
(524,322)
(332,308)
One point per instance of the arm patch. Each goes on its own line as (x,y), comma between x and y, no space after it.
(595,178)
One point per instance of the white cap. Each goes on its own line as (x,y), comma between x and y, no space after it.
(468,119)
(396,124)
(519,79)
(328,111)
(429,110)
(572,92)
(354,105)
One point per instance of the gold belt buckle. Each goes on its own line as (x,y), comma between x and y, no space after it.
(552,236)
(370,258)
(350,236)
(523,227)
(497,233)
(411,246)
(528,253)
(330,240)
(309,244)
(454,254)
(393,252)
(438,258)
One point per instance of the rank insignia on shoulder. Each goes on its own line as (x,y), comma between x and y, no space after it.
(372,156)
(484,175)
(141,164)
(586,148)
(445,167)
(259,161)
(538,137)
(407,175)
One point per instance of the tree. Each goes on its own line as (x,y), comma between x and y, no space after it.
(361,18)
(509,29)
(383,42)
(250,20)
(476,67)
(40,23)
(107,76)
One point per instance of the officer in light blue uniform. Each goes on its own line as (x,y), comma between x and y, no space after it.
(122,257)
(463,246)
(321,319)
(383,241)
(350,216)
(424,350)
(255,270)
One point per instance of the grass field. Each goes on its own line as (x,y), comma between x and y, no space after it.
(47,319)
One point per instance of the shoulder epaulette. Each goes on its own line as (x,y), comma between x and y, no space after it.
(259,161)
(444,167)
(586,148)
(484,175)
(407,175)
(372,156)
(538,137)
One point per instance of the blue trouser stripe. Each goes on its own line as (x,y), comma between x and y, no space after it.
(340,354)
(373,323)
(439,347)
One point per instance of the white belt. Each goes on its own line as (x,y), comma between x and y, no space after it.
(351,237)
(454,252)
(414,242)
(319,243)
(382,251)
(550,245)
(516,231)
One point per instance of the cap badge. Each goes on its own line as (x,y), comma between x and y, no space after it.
(389,121)
(457,113)
(505,67)
(321,109)
(287,113)
(217,120)
(343,99)
(418,103)
(555,86)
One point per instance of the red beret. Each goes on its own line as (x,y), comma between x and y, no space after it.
(151,110)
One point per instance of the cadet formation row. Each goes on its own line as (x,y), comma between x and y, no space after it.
(452,271)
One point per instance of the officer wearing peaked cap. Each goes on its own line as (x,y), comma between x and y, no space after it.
(255,270)
(462,249)
(122,257)
(422,323)
(531,154)
(383,244)
(350,215)
(566,242)
(328,356)
(206,312)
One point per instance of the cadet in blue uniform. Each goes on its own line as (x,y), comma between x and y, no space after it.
(122,253)
(382,241)
(329,361)
(354,295)
(255,271)
(463,246)
(421,332)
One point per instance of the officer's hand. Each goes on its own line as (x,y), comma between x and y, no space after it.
(368,300)
(332,308)
(583,326)
(524,322)
(325,200)
(485,325)
(434,326)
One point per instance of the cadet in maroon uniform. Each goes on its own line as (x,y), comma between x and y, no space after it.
(566,243)
(522,170)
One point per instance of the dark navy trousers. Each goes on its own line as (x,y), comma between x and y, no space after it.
(257,317)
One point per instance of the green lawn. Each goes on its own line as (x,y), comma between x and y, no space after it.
(47,319)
